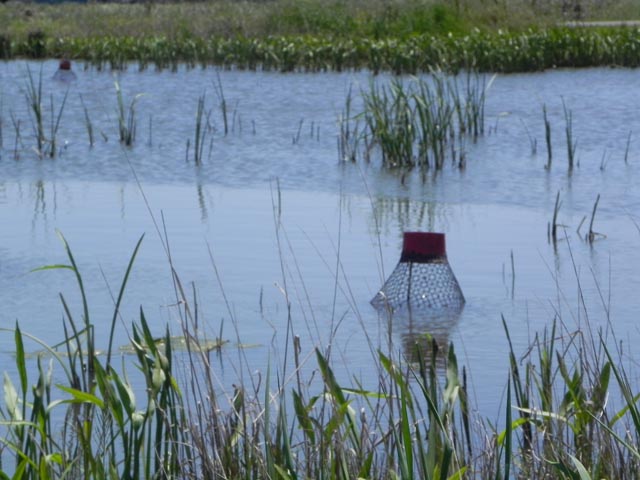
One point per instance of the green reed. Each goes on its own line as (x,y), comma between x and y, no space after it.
(421,121)
(552,234)
(224,109)
(388,113)
(126,116)
(547,136)
(571,143)
(87,122)
(55,123)
(562,400)
(349,135)
(626,150)
(591,235)
(33,97)
(533,142)
(105,433)
(201,130)
(18,138)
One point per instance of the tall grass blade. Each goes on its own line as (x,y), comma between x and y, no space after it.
(116,310)
(547,136)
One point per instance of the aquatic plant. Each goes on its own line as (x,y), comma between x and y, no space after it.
(571,144)
(126,116)
(349,135)
(578,416)
(591,235)
(552,232)
(223,103)
(547,136)
(419,122)
(533,142)
(296,137)
(201,130)
(388,113)
(55,123)
(18,139)
(626,150)
(33,97)
(107,432)
(87,122)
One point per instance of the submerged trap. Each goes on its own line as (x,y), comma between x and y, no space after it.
(423,278)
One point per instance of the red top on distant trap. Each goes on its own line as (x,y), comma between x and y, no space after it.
(65,64)
(423,246)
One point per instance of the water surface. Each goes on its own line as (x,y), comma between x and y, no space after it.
(273,212)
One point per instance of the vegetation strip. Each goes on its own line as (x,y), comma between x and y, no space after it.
(502,51)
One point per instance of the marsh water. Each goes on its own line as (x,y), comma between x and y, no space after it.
(272,214)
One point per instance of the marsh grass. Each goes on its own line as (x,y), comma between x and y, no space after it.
(18,138)
(87,122)
(626,150)
(349,131)
(202,128)
(105,432)
(533,141)
(562,389)
(547,136)
(424,122)
(126,116)
(592,235)
(33,97)
(224,110)
(553,226)
(571,143)
(55,123)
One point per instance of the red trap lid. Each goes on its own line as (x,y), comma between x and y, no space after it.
(422,246)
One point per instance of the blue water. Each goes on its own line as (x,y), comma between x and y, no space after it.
(286,221)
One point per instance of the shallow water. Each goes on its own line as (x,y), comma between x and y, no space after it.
(262,204)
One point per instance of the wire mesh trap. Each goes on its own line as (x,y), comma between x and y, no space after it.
(423,278)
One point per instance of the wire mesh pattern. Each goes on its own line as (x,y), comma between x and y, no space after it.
(430,285)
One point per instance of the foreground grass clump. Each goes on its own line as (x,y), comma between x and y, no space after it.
(415,420)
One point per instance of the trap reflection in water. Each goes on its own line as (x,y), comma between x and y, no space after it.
(425,333)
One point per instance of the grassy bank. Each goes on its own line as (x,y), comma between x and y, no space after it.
(400,36)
